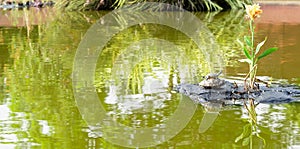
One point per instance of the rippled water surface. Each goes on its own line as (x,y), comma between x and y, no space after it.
(134,77)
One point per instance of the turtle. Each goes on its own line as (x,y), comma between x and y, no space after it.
(212,81)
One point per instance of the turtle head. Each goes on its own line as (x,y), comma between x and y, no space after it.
(212,75)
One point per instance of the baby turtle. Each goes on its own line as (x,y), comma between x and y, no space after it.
(212,81)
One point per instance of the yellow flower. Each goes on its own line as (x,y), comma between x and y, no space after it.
(253,11)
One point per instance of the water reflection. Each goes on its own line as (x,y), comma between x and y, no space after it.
(37,107)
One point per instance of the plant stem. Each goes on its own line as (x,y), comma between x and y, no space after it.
(252,65)
(252,37)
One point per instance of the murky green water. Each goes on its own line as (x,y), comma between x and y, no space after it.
(134,82)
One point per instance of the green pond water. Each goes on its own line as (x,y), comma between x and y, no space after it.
(133,81)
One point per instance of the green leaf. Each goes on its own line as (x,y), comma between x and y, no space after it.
(247,53)
(259,46)
(246,141)
(267,52)
(248,41)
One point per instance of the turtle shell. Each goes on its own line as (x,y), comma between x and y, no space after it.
(212,83)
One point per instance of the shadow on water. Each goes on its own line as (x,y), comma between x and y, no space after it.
(38,108)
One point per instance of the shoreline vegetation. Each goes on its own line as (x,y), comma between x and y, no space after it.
(195,5)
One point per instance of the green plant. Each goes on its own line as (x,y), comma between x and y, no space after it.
(251,51)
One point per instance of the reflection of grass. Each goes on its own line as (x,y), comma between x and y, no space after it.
(195,59)
(29,17)
(39,81)
(227,27)
(148,62)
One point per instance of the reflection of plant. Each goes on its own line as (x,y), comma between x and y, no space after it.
(251,53)
(250,129)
